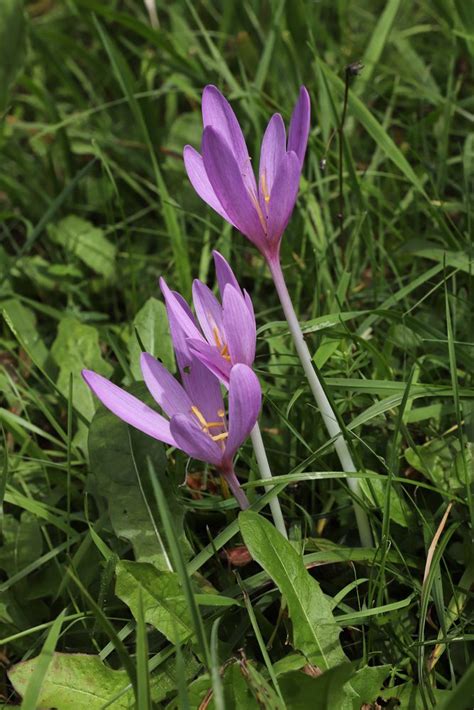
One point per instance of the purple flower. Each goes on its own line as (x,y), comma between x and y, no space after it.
(228,330)
(195,420)
(223,175)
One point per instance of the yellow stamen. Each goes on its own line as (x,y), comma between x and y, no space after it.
(263,183)
(199,416)
(217,337)
(220,437)
(223,348)
(220,413)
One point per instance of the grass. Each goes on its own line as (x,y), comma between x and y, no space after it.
(95,204)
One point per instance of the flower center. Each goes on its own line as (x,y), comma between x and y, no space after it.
(208,426)
(222,347)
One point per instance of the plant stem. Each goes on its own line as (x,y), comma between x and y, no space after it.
(234,485)
(329,417)
(265,472)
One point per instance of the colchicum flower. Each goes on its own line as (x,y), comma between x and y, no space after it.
(228,330)
(196,420)
(223,175)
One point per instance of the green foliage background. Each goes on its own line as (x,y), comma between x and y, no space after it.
(97,102)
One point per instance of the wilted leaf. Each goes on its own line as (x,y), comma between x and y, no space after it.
(151,324)
(87,242)
(315,632)
(118,456)
(76,681)
(77,347)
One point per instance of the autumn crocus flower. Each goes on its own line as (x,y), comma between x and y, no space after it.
(195,421)
(227,334)
(226,340)
(223,175)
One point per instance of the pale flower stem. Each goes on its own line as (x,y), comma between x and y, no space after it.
(327,413)
(234,485)
(265,472)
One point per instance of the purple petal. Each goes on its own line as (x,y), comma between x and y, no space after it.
(164,388)
(193,441)
(239,326)
(129,408)
(224,273)
(283,197)
(212,359)
(272,151)
(218,113)
(226,179)
(249,304)
(182,325)
(299,125)
(197,174)
(245,399)
(209,314)
(203,389)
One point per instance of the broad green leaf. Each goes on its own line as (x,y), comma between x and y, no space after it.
(22,542)
(46,275)
(374,490)
(328,691)
(164,604)
(77,347)
(12,45)
(151,324)
(410,698)
(22,323)
(315,632)
(118,458)
(32,692)
(87,243)
(76,681)
(442,461)
(367,683)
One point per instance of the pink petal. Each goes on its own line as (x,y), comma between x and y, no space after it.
(224,273)
(218,113)
(193,441)
(164,388)
(240,327)
(209,313)
(226,179)
(129,408)
(272,151)
(283,196)
(299,125)
(245,399)
(203,389)
(182,325)
(212,359)
(197,174)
